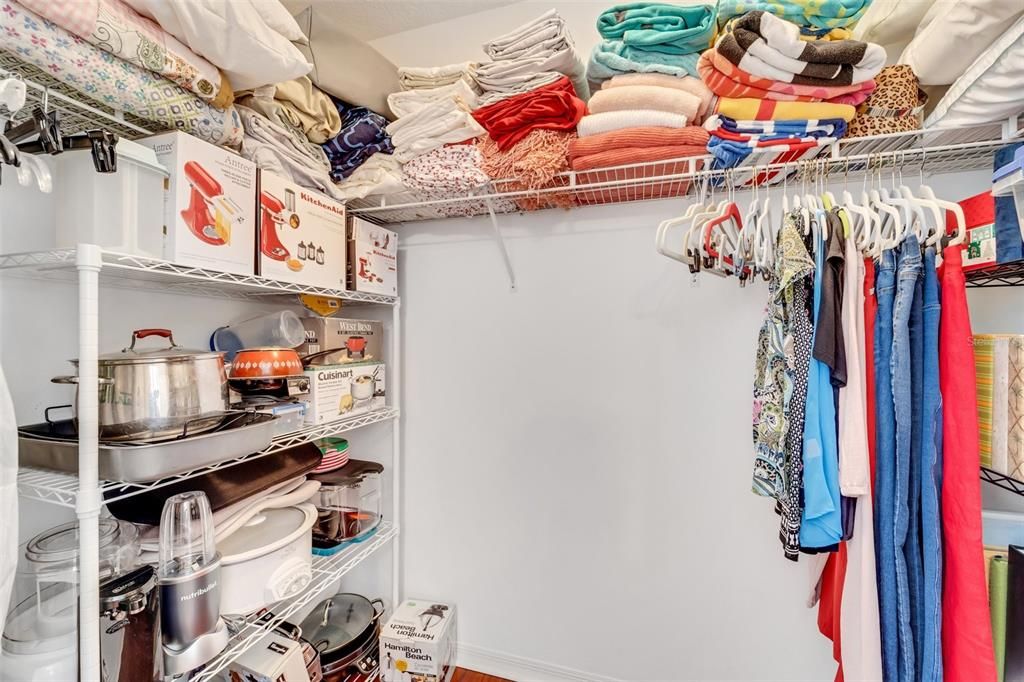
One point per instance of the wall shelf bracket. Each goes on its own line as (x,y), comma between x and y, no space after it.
(500,240)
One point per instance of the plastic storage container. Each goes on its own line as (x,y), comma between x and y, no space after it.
(281,330)
(121,211)
(1009,180)
(348,502)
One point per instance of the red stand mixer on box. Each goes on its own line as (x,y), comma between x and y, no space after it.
(273,219)
(210,215)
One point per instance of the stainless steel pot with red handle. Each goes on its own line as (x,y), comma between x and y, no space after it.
(158,394)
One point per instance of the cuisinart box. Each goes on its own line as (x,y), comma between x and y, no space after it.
(340,391)
(302,235)
(372,258)
(418,643)
(209,204)
(355,340)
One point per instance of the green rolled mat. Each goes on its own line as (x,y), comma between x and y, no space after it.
(997,588)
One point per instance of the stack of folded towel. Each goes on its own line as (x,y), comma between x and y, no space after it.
(442,121)
(831,20)
(651,37)
(424,78)
(529,57)
(773,81)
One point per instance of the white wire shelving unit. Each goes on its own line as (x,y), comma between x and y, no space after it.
(62,489)
(327,570)
(95,270)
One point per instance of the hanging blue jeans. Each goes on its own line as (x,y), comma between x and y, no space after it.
(931,482)
(908,270)
(912,547)
(885,456)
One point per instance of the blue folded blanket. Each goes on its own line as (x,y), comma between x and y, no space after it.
(613,57)
(658,27)
(362,135)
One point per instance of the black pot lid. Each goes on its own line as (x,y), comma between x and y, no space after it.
(337,623)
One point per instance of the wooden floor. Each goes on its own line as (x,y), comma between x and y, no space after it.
(463,675)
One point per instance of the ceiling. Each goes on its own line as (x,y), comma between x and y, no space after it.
(371,19)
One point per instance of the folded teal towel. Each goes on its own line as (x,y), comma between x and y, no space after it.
(612,57)
(816,13)
(671,29)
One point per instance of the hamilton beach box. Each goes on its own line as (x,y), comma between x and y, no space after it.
(418,643)
(301,235)
(209,204)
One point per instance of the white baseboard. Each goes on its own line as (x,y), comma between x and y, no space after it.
(521,669)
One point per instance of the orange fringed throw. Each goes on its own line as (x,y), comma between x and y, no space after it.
(530,164)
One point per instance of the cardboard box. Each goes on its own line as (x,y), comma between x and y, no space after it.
(356,340)
(209,204)
(342,391)
(301,233)
(372,258)
(274,659)
(418,643)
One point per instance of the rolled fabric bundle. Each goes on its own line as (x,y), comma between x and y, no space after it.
(613,57)
(725,79)
(407,102)
(553,107)
(730,129)
(441,122)
(363,134)
(417,77)
(821,15)
(694,86)
(1013,667)
(312,108)
(659,27)
(652,97)
(746,109)
(595,124)
(764,45)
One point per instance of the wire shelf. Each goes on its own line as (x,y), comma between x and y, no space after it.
(62,488)
(1002,480)
(138,272)
(249,631)
(1002,275)
(77,113)
(935,150)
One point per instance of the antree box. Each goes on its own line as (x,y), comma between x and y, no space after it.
(418,643)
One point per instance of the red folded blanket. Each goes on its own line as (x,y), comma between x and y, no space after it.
(554,106)
(725,79)
(636,145)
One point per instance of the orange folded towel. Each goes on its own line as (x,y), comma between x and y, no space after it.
(632,140)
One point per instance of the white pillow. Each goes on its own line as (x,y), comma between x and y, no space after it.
(232,35)
(280,19)
(972,26)
(990,89)
(891,23)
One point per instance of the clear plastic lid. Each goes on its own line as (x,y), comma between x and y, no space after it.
(186,535)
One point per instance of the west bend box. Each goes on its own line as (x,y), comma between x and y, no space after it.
(301,235)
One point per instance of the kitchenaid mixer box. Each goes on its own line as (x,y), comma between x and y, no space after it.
(209,204)
(372,258)
(341,391)
(418,643)
(302,234)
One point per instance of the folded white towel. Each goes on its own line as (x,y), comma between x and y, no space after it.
(417,77)
(379,174)
(440,122)
(409,101)
(595,124)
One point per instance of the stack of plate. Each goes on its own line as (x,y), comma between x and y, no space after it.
(335,454)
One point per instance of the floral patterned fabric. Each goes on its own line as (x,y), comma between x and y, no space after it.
(780,383)
(111,81)
(118,29)
(452,172)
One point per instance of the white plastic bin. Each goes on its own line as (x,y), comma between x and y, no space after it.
(122,211)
